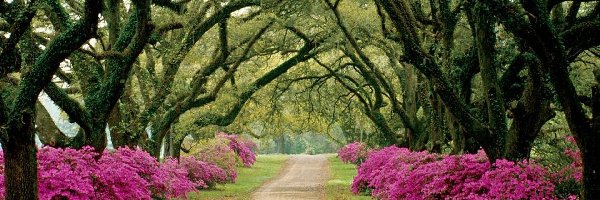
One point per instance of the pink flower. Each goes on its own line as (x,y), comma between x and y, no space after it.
(354,152)
(398,173)
(123,174)
(203,173)
(241,147)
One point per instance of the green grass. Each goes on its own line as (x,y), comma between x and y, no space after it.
(338,187)
(249,179)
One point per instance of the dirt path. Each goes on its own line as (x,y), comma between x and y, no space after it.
(303,178)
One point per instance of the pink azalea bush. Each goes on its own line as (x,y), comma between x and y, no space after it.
(509,180)
(226,151)
(398,173)
(203,173)
(75,174)
(137,161)
(575,169)
(123,174)
(217,151)
(177,179)
(569,179)
(355,153)
(117,181)
(241,147)
(66,173)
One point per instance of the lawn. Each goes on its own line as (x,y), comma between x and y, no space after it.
(249,179)
(338,187)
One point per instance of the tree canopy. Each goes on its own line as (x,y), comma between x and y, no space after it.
(447,76)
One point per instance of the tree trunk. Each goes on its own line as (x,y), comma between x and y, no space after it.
(436,124)
(176,148)
(590,150)
(159,133)
(154,148)
(458,138)
(389,136)
(591,167)
(409,97)
(486,39)
(169,143)
(281,144)
(97,138)
(118,136)
(462,143)
(20,162)
(530,114)
(18,140)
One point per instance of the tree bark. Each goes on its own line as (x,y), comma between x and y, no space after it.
(20,162)
(485,40)
(436,124)
(282,144)
(590,149)
(530,114)
(591,167)
(176,148)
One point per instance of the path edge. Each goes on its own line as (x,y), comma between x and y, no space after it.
(284,169)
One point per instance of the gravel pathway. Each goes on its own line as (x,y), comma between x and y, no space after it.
(303,177)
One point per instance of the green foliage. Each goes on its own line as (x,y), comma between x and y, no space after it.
(342,175)
(550,146)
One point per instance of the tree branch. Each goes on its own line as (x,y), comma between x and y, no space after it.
(9,56)
(580,37)
(75,111)
(47,63)
(223,120)
(168,4)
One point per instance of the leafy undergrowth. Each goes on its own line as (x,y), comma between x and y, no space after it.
(338,187)
(248,180)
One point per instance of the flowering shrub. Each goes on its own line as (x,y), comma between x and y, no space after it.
(118,181)
(509,180)
(248,143)
(355,152)
(139,162)
(218,152)
(369,170)
(435,176)
(575,169)
(202,173)
(243,148)
(124,174)
(398,173)
(569,179)
(177,179)
(66,173)
(164,180)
